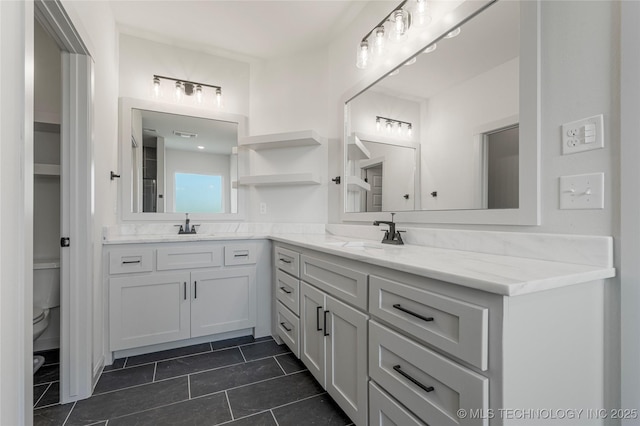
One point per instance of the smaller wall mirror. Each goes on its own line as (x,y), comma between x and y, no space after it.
(177,160)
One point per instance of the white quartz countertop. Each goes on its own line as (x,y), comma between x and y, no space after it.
(505,275)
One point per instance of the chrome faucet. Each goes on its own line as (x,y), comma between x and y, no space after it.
(391,236)
(187,229)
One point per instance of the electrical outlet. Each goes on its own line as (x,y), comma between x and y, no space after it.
(582,191)
(583,135)
(263,208)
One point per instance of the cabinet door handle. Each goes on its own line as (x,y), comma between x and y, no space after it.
(318,309)
(284,325)
(241,255)
(285,290)
(422,317)
(325,324)
(412,380)
(124,262)
(285,261)
(185,290)
(195,289)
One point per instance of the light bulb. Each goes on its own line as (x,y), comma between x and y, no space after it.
(399,127)
(430,48)
(420,17)
(179,91)
(156,87)
(378,124)
(421,6)
(378,43)
(219,97)
(388,126)
(453,33)
(409,130)
(363,55)
(400,25)
(199,93)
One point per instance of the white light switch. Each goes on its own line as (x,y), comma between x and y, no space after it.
(583,135)
(582,191)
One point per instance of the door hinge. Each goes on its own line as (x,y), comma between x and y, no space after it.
(65,242)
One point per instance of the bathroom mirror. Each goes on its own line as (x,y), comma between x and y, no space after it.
(471,105)
(177,160)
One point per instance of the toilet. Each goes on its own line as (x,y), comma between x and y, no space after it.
(46,296)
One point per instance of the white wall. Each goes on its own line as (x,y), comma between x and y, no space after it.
(177,161)
(450,158)
(95,24)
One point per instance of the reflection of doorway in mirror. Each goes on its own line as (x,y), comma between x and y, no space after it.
(502,168)
(373,197)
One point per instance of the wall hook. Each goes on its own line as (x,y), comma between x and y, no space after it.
(113,175)
(336,180)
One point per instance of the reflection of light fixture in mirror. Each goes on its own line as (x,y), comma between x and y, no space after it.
(188,88)
(390,122)
(420,17)
(200,147)
(430,48)
(453,33)
(411,61)
(363,55)
(400,23)
(186,135)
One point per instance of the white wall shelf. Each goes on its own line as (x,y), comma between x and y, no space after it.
(46,169)
(280,179)
(356,149)
(355,184)
(282,140)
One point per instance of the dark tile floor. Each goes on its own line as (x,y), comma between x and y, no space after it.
(237,382)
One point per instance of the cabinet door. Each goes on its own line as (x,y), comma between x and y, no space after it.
(145,310)
(347,359)
(312,341)
(223,300)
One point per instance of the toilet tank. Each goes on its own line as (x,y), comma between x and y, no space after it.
(46,283)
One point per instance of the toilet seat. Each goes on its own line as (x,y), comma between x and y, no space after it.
(38,314)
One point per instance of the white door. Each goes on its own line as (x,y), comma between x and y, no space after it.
(347,359)
(374,196)
(150,309)
(222,301)
(312,341)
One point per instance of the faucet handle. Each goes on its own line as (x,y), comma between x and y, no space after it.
(392,215)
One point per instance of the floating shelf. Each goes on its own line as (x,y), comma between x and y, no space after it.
(46,169)
(280,179)
(356,149)
(282,140)
(355,184)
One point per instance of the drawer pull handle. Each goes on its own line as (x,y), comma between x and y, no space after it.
(124,262)
(318,309)
(412,380)
(285,261)
(422,317)
(185,290)
(325,324)
(284,325)
(241,255)
(285,290)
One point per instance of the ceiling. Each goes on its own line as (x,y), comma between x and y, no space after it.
(260,28)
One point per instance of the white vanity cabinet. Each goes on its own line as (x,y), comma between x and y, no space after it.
(167,292)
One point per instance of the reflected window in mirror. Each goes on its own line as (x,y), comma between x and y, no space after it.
(470,82)
(182,164)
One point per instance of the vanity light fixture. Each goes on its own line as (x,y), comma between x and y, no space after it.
(188,88)
(186,135)
(390,122)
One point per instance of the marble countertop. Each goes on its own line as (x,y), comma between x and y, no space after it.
(500,274)
(505,275)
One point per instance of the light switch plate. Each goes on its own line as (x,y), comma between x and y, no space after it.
(582,191)
(583,135)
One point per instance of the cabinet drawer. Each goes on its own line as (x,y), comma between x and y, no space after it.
(428,384)
(452,325)
(288,328)
(128,261)
(189,257)
(344,283)
(288,291)
(239,254)
(385,411)
(288,261)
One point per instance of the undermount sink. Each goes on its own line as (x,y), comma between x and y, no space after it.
(356,245)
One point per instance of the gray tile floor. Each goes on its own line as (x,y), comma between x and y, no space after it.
(238,382)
